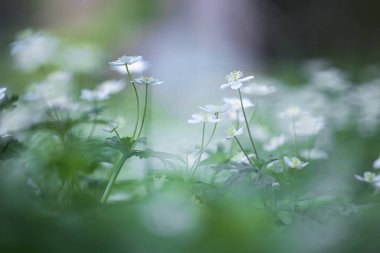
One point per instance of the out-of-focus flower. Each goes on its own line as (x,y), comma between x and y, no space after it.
(136,68)
(235,81)
(376,163)
(93,95)
(232,132)
(274,143)
(307,125)
(258,89)
(236,104)
(216,108)
(111,127)
(2,93)
(147,80)
(369,177)
(54,91)
(313,154)
(236,115)
(291,112)
(103,91)
(33,49)
(203,118)
(125,60)
(329,79)
(294,163)
(111,86)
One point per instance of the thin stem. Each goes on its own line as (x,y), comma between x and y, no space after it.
(245,153)
(94,123)
(247,125)
(194,167)
(112,179)
(213,131)
(137,101)
(144,113)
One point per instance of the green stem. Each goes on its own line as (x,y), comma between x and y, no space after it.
(247,125)
(213,131)
(144,113)
(245,153)
(137,101)
(194,167)
(112,179)
(94,123)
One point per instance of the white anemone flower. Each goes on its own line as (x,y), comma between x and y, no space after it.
(235,81)
(274,143)
(216,108)
(236,104)
(203,118)
(376,163)
(125,60)
(232,132)
(2,93)
(294,163)
(147,80)
(258,89)
(369,177)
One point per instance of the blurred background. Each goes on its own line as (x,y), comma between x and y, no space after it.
(320,55)
(193,44)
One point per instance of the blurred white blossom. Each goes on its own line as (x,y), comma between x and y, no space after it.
(376,163)
(34,49)
(232,132)
(274,143)
(313,154)
(258,89)
(147,80)
(125,60)
(2,93)
(236,104)
(216,108)
(135,68)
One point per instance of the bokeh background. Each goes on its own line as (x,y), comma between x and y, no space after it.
(192,45)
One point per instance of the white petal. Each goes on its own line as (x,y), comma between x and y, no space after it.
(224,86)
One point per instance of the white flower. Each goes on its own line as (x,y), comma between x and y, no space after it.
(103,91)
(376,163)
(54,91)
(313,154)
(147,80)
(93,95)
(236,104)
(111,127)
(111,86)
(203,117)
(294,163)
(2,93)
(274,143)
(216,108)
(236,115)
(308,125)
(235,81)
(291,112)
(33,49)
(258,89)
(232,132)
(137,67)
(369,177)
(125,60)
